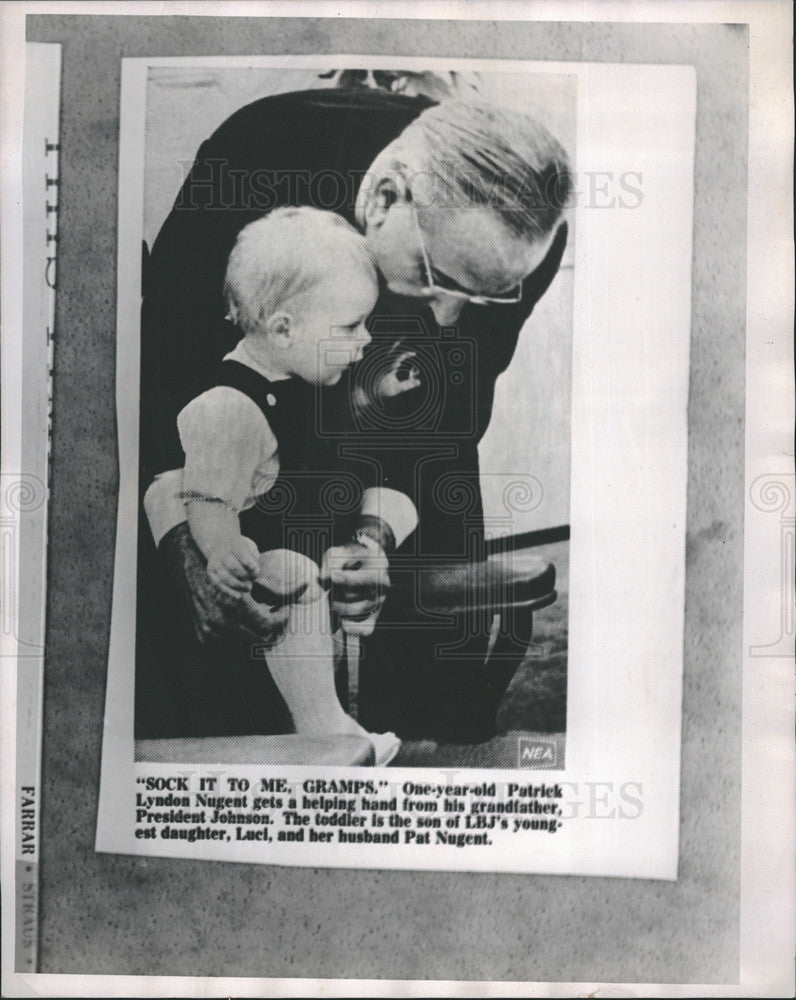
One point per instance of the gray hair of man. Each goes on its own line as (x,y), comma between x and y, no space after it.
(469,152)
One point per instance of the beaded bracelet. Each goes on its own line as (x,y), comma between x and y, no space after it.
(188,495)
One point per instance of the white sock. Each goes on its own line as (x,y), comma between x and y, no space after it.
(302,665)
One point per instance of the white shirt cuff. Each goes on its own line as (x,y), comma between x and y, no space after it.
(393,507)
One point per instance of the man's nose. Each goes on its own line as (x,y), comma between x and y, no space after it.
(446,309)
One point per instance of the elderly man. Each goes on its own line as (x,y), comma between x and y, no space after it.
(461,204)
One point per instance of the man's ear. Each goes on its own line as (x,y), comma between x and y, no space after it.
(389,188)
(280,329)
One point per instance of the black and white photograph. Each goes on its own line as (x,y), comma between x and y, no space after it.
(397,498)
(419,406)
(376,377)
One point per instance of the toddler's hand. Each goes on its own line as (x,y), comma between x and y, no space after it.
(233,568)
(401,376)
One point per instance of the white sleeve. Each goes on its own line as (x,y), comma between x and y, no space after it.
(393,507)
(226,438)
(163,503)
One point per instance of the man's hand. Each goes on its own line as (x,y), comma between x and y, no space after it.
(257,621)
(359,578)
(234,566)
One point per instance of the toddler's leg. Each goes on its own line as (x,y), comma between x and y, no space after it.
(302,665)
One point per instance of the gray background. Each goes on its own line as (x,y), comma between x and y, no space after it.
(114,914)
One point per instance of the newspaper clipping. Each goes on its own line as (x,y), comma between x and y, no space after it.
(381,366)
(397,498)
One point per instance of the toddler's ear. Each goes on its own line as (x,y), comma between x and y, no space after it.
(279,327)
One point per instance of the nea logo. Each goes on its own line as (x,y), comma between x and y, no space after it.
(535,752)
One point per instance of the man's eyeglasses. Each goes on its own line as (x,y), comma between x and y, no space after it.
(437,282)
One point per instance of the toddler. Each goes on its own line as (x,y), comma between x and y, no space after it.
(299,285)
